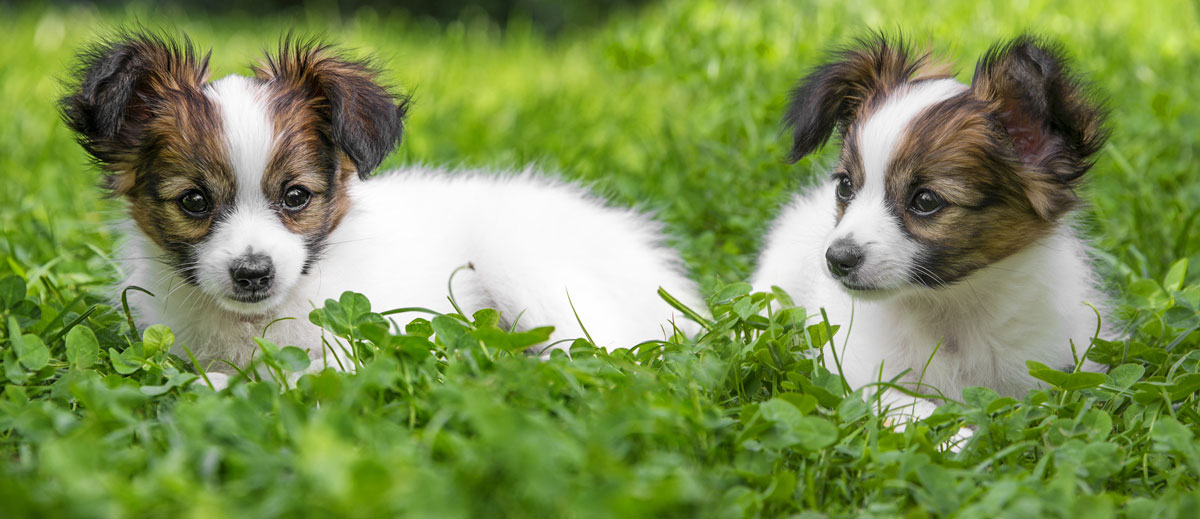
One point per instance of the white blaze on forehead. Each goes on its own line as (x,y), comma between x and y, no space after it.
(888,254)
(249,135)
(883,130)
(250,225)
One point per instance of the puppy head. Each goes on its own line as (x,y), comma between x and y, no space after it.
(238,181)
(936,179)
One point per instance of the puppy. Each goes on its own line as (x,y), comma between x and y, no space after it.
(945,226)
(250,200)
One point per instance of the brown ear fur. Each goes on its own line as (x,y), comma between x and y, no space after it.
(1055,125)
(833,94)
(124,85)
(360,116)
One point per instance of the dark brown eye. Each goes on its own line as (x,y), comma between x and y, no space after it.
(925,202)
(845,189)
(296,198)
(194,203)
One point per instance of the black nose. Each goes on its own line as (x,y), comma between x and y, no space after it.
(252,273)
(843,257)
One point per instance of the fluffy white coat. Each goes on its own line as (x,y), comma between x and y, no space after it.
(531,240)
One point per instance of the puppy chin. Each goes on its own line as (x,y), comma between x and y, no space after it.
(250,307)
(871,290)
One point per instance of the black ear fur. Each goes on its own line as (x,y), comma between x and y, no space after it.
(831,95)
(365,120)
(1056,125)
(117,85)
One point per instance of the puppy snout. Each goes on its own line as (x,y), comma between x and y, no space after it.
(252,273)
(843,257)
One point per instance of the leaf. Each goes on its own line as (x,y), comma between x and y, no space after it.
(793,429)
(782,297)
(1146,293)
(419,327)
(294,359)
(119,364)
(27,312)
(1084,380)
(1065,381)
(155,339)
(1175,275)
(1170,435)
(941,494)
(486,318)
(1096,424)
(1184,386)
(805,403)
(1125,375)
(82,347)
(355,304)
(731,291)
(32,352)
(12,369)
(744,308)
(12,291)
(851,409)
(448,330)
(979,397)
(174,379)
(515,342)
(1180,317)
(1043,372)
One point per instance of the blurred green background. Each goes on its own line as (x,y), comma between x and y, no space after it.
(671,106)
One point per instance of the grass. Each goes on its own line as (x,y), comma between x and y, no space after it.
(673,108)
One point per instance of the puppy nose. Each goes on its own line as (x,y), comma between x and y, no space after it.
(843,257)
(252,273)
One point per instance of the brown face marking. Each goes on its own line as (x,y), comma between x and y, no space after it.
(955,150)
(139,109)
(303,157)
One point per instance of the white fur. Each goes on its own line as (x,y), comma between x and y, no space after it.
(533,242)
(1032,305)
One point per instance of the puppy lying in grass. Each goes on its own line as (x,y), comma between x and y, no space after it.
(942,243)
(250,200)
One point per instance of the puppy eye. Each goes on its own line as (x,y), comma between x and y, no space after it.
(925,202)
(194,203)
(845,188)
(296,198)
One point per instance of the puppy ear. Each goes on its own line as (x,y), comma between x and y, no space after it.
(363,118)
(1054,124)
(833,94)
(119,86)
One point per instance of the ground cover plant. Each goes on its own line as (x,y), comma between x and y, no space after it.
(672,107)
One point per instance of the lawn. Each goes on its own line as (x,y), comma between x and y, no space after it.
(672,107)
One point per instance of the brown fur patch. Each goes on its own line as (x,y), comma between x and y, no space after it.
(954,150)
(139,109)
(854,81)
(317,88)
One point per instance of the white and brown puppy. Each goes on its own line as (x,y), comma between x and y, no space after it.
(249,201)
(945,225)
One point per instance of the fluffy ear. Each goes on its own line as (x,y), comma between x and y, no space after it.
(364,119)
(1054,124)
(832,95)
(119,86)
